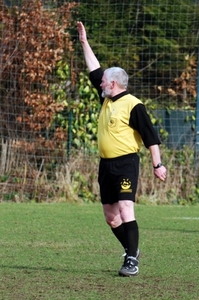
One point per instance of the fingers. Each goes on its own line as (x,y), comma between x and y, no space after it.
(162,178)
(82,32)
(161,173)
(80,25)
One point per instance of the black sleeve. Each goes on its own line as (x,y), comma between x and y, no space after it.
(96,79)
(140,120)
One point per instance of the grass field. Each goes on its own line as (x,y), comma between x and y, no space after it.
(66,251)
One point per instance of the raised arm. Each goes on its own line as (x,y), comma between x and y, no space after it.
(90,58)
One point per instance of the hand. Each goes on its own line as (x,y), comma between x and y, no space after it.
(82,32)
(161,173)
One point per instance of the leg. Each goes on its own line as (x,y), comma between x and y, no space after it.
(120,217)
(119,212)
(112,214)
(127,214)
(130,266)
(113,219)
(126,208)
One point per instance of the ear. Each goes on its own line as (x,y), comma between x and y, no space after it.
(113,84)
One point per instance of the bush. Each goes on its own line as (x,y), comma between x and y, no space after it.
(76,180)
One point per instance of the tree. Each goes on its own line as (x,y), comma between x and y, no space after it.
(150,39)
(32,42)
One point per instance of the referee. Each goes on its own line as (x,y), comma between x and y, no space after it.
(123,125)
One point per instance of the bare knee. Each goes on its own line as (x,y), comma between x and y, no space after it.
(112,215)
(113,221)
(127,210)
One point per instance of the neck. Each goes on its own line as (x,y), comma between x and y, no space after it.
(117,91)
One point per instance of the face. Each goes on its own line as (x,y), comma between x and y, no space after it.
(106,87)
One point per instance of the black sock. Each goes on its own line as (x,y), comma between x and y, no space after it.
(132,237)
(119,232)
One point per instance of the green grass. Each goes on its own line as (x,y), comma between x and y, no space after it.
(64,251)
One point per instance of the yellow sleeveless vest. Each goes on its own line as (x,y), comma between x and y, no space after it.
(115,136)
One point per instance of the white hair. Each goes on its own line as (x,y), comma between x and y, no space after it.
(117,74)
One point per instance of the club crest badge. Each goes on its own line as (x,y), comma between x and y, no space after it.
(125,186)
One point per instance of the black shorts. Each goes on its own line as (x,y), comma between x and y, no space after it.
(118,178)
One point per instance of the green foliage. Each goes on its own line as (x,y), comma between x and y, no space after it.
(164,40)
(152,106)
(86,115)
(82,103)
(3,178)
(9,197)
(149,39)
(82,187)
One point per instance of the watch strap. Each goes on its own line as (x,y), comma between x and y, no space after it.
(158,166)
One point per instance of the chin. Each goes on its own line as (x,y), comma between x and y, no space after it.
(104,95)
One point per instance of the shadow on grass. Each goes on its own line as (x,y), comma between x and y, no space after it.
(32,268)
(112,273)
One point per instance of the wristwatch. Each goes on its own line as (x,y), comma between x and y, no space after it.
(158,166)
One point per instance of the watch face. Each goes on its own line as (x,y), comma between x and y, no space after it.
(158,166)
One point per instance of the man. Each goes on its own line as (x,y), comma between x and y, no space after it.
(123,126)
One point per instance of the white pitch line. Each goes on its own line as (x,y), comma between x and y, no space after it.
(186,218)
